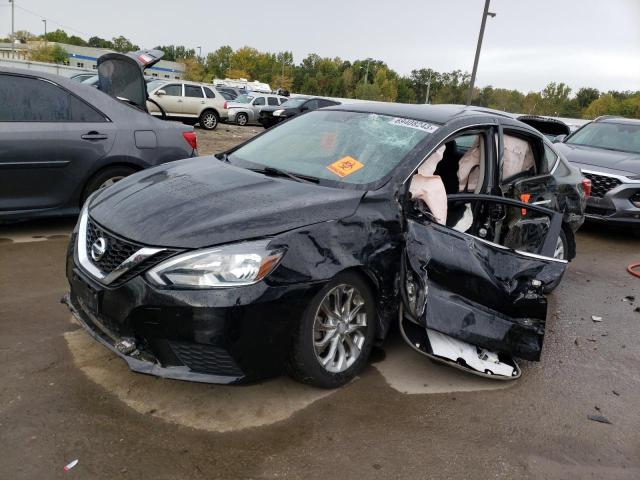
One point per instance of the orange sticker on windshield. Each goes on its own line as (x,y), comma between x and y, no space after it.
(345,166)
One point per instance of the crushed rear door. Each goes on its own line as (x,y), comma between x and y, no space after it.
(480,292)
(122,75)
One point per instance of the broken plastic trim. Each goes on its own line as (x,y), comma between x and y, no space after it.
(416,344)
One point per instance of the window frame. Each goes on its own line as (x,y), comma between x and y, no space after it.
(184,91)
(169,84)
(106,118)
(253,102)
(275,100)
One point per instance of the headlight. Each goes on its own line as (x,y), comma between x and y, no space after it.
(227,266)
(277,113)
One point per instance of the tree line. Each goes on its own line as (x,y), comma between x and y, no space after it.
(367,79)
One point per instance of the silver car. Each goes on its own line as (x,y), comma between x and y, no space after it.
(246,108)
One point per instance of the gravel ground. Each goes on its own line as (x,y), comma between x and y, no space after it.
(224,137)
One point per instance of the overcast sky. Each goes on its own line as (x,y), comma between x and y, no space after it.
(528,44)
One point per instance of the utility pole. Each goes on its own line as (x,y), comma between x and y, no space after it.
(485,14)
(426,100)
(199,53)
(45,32)
(13,31)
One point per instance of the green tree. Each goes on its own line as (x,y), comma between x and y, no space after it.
(219,61)
(97,42)
(49,54)
(123,44)
(585,96)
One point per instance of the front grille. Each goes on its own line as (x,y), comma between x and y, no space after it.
(118,250)
(205,358)
(601,184)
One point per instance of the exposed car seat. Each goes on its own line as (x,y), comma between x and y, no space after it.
(429,188)
(469,168)
(518,156)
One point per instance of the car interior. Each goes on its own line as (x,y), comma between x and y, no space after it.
(457,167)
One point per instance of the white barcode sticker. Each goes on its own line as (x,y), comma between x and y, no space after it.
(417,124)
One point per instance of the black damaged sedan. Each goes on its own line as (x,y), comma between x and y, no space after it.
(298,250)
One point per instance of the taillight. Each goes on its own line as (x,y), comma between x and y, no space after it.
(191,139)
(586,186)
(225,105)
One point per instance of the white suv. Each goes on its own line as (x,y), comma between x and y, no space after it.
(190,102)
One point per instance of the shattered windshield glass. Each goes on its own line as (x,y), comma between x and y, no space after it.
(345,147)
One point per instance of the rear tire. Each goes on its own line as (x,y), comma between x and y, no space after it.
(209,120)
(561,252)
(242,119)
(321,354)
(103,179)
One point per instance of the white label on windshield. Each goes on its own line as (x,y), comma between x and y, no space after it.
(418,125)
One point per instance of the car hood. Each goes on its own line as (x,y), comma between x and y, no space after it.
(624,162)
(203,202)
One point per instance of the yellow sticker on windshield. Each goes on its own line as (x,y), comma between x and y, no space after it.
(345,166)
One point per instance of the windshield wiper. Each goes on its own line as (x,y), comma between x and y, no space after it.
(276,172)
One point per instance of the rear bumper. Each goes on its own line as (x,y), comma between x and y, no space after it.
(217,336)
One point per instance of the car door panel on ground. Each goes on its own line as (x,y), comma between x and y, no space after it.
(487,294)
(47,137)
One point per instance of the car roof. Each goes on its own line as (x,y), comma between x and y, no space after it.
(613,119)
(439,114)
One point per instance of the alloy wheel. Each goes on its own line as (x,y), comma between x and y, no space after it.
(339,328)
(558,252)
(209,121)
(110,181)
(242,119)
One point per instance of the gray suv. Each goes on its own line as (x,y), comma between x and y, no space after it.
(607,151)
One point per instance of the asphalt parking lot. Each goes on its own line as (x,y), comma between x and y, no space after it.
(64,397)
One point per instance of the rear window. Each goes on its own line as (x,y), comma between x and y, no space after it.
(343,148)
(24,99)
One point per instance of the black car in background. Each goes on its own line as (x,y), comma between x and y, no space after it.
(61,140)
(607,151)
(270,116)
(289,252)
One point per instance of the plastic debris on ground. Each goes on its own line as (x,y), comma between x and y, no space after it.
(600,419)
(596,318)
(70,465)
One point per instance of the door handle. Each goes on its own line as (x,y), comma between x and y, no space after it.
(94,136)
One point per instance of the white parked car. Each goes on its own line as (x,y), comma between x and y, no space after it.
(246,108)
(190,102)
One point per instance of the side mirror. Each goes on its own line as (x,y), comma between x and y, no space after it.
(559,139)
(304,108)
(160,93)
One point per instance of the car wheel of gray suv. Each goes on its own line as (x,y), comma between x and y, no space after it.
(105,178)
(332,343)
(561,252)
(209,120)
(242,119)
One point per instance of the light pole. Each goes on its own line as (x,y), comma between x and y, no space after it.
(366,73)
(13,33)
(426,100)
(485,14)
(199,53)
(45,32)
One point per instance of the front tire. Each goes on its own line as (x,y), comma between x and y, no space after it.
(333,340)
(209,120)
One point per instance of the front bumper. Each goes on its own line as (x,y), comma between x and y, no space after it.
(220,336)
(612,198)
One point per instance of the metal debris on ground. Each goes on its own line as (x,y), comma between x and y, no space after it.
(70,465)
(629,298)
(596,318)
(599,418)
